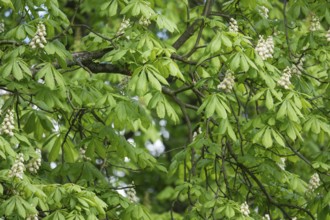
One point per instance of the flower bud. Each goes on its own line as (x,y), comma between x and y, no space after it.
(233,27)
(39,39)
(263,11)
(245,209)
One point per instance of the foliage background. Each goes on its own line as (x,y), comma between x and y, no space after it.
(99,92)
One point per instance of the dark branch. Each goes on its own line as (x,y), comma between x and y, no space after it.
(187,34)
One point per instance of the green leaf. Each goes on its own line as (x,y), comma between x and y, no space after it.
(235,62)
(278,138)
(258,135)
(17,72)
(220,110)
(118,55)
(113,7)
(49,80)
(164,22)
(210,108)
(291,113)
(215,45)
(282,111)
(10,205)
(291,132)
(267,140)
(229,211)
(161,110)
(226,41)
(154,82)
(142,84)
(55,151)
(269,100)
(20,209)
(231,132)
(244,64)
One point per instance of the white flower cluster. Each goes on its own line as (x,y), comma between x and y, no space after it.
(82,152)
(197,133)
(294,218)
(284,81)
(296,68)
(245,209)
(34,164)
(17,170)
(228,82)
(233,26)
(2,26)
(32,217)
(263,11)
(328,35)
(8,124)
(39,40)
(281,164)
(144,21)
(265,48)
(131,194)
(314,182)
(125,23)
(266,217)
(315,24)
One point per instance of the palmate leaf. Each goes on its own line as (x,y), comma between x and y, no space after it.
(111,7)
(226,127)
(57,49)
(163,106)
(267,140)
(164,22)
(146,77)
(55,149)
(17,68)
(51,76)
(214,103)
(138,7)
(215,44)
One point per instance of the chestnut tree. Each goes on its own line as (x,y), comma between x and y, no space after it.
(151,109)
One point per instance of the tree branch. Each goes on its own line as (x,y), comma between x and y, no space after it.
(191,29)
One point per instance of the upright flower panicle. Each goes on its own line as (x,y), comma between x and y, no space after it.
(233,26)
(314,182)
(2,26)
(328,35)
(32,217)
(82,152)
(297,68)
(281,164)
(265,48)
(35,163)
(266,217)
(131,194)
(315,24)
(17,170)
(228,82)
(245,209)
(8,124)
(39,40)
(125,23)
(263,11)
(284,81)
(197,133)
(144,21)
